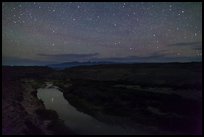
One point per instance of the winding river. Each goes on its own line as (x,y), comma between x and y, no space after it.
(79,122)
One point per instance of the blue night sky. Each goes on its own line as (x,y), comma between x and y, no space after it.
(42,33)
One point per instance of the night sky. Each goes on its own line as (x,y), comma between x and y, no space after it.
(43,33)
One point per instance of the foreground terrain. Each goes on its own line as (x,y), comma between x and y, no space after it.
(22,112)
(162,98)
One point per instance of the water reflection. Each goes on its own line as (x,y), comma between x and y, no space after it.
(79,122)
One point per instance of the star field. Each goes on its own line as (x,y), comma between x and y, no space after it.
(111,30)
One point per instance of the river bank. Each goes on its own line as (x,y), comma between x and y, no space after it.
(24,114)
(163,98)
(151,112)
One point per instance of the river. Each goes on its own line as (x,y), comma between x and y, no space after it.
(79,122)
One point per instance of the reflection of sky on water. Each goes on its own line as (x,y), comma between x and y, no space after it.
(79,122)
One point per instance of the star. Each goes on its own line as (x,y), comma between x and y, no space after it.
(195,34)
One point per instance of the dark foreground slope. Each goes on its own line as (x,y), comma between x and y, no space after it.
(22,112)
(166,97)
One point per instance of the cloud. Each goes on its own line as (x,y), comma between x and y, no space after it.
(68,57)
(197,45)
(154,57)
(151,59)
(22,61)
(186,43)
(197,48)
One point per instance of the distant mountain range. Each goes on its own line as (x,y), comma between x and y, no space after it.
(74,64)
(64,65)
